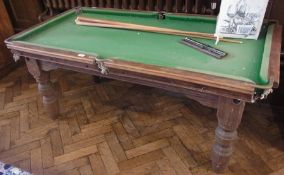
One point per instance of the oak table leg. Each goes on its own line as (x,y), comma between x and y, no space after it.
(49,95)
(229,115)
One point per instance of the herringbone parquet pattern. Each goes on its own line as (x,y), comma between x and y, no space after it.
(120,128)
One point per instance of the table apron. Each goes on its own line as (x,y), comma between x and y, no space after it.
(180,86)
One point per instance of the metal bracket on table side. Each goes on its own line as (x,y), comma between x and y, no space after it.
(265,93)
(262,95)
(16,55)
(102,67)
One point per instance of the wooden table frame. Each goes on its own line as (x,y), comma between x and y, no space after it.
(227,95)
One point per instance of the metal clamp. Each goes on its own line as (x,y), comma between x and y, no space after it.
(263,95)
(16,55)
(102,67)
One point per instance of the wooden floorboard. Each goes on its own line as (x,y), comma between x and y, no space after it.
(121,128)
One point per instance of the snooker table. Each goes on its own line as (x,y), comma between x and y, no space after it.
(246,74)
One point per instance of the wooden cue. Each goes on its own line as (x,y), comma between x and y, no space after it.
(148,30)
(120,25)
(84,19)
(114,24)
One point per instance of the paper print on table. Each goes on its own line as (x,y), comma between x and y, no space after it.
(241,18)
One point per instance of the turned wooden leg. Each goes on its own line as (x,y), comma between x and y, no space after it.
(49,95)
(229,117)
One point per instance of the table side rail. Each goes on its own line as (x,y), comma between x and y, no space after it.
(70,58)
(12,38)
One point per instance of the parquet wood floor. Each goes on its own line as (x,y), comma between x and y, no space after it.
(120,128)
